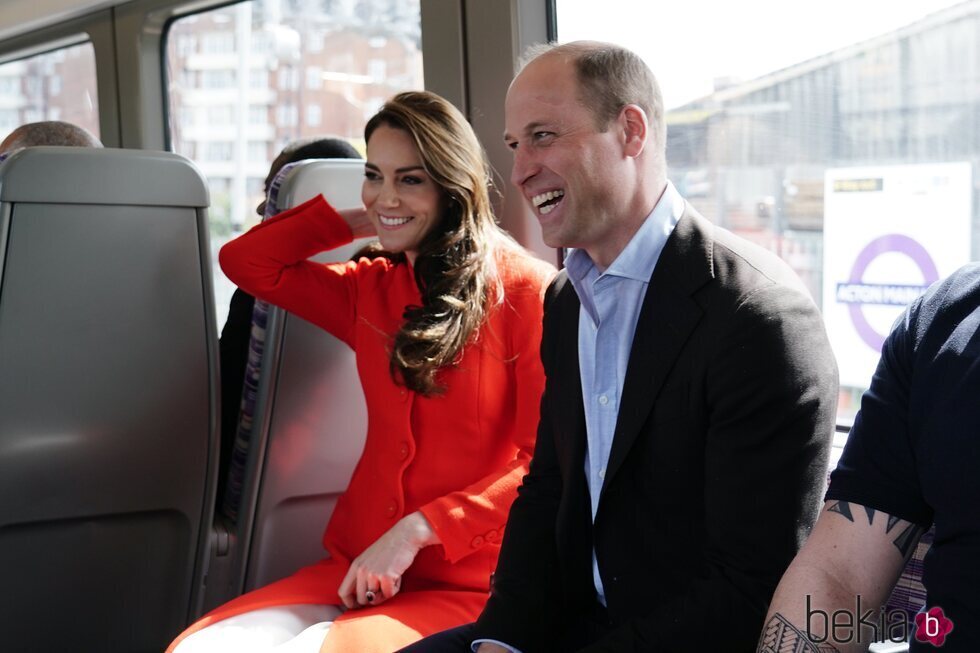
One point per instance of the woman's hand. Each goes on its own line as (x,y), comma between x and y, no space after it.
(358,222)
(376,574)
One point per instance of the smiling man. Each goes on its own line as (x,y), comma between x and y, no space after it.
(690,395)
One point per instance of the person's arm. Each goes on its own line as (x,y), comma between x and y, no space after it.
(380,567)
(470,518)
(770,388)
(856,550)
(270,262)
(829,598)
(521,610)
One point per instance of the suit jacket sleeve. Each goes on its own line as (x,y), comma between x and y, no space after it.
(521,607)
(771,393)
(270,262)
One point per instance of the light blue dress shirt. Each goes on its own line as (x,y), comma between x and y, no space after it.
(611,301)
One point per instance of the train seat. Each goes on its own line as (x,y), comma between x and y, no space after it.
(107,398)
(232,496)
(302,422)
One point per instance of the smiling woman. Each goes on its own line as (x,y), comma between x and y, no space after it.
(226,83)
(402,201)
(445,323)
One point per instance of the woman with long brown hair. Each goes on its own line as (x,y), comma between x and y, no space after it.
(445,322)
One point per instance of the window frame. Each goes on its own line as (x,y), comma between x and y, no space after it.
(93,28)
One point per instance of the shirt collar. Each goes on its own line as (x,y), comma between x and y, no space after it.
(636,261)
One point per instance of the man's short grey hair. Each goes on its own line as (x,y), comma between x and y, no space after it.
(610,77)
(49,132)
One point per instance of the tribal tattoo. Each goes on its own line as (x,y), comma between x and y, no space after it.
(780,636)
(904,542)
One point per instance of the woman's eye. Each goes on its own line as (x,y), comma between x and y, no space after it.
(370,175)
(411,181)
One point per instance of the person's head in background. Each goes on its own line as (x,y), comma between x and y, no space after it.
(309,148)
(48,132)
(426,191)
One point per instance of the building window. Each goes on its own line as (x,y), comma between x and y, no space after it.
(287,115)
(9,120)
(222,114)
(314,41)
(217,79)
(10,85)
(314,78)
(313,115)
(288,51)
(288,79)
(258,151)
(218,151)
(258,115)
(186,45)
(377,68)
(60,83)
(258,79)
(218,43)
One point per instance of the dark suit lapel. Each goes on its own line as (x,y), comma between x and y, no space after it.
(567,384)
(667,318)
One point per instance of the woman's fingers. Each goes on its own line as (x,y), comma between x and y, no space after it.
(362,586)
(379,568)
(347,591)
(389,587)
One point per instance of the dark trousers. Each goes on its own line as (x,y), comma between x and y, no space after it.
(588,629)
(454,640)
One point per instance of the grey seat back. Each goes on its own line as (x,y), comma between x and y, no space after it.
(107,398)
(308,424)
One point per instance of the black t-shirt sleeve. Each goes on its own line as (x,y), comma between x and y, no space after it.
(878,466)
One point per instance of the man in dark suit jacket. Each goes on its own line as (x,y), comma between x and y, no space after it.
(665,525)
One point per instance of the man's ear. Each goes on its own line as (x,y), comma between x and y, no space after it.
(636,129)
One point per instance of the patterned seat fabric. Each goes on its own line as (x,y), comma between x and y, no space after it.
(256,347)
(909,593)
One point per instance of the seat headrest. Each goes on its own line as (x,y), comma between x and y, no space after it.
(81,175)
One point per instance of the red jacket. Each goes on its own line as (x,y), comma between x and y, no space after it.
(458,457)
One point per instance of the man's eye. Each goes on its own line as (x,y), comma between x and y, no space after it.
(539,136)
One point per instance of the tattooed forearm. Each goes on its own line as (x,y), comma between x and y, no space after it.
(905,541)
(780,636)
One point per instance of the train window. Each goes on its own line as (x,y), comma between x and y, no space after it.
(844,136)
(56,85)
(246,79)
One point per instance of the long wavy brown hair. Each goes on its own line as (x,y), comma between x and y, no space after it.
(455,267)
